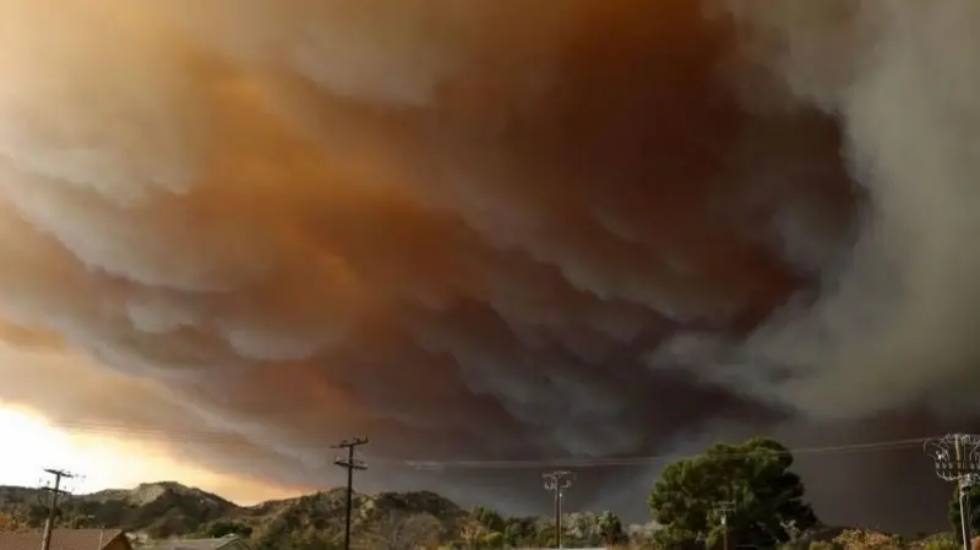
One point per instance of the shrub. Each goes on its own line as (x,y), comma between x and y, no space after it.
(941,544)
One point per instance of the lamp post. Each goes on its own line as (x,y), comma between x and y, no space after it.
(956,458)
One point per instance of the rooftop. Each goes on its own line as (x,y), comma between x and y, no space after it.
(61,539)
(192,544)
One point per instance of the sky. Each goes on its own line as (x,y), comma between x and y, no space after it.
(98,462)
(234,233)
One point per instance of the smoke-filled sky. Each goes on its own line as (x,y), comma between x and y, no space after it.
(498,231)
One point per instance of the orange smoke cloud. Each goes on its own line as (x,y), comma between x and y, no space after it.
(481,230)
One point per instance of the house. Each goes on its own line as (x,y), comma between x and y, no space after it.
(68,539)
(229,542)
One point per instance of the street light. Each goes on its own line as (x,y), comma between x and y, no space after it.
(956,458)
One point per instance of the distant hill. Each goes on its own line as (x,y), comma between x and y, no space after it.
(388,520)
(168,509)
(161,509)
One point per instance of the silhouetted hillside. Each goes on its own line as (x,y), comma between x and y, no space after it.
(161,509)
(167,509)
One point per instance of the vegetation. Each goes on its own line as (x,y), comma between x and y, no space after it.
(973,496)
(392,521)
(766,509)
(765,497)
(10,524)
(856,539)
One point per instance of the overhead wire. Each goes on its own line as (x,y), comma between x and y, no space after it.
(878,446)
(218,439)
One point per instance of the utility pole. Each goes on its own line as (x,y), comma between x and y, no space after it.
(350,464)
(956,458)
(56,491)
(557,482)
(725,508)
(963,490)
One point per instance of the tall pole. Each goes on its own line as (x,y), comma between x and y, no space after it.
(557,482)
(962,493)
(956,458)
(53,505)
(725,508)
(350,464)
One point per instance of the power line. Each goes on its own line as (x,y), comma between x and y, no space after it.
(218,439)
(880,446)
(350,464)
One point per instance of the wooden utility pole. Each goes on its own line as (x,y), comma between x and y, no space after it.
(350,464)
(53,505)
(557,482)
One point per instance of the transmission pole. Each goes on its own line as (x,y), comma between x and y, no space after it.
(956,458)
(963,489)
(350,464)
(56,491)
(725,508)
(557,482)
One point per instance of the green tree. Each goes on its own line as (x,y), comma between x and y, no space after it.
(942,544)
(272,536)
(520,532)
(754,476)
(973,496)
(611,530)
(545,537)
(220,528)
(403,531)
(491,519)
(494,539)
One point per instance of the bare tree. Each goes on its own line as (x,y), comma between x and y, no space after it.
(401,531)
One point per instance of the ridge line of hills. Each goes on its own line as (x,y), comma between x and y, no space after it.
(169,509)
(107,507)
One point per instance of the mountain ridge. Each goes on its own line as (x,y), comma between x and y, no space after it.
(314,521)
(168,509)
(144,494)
(159,510)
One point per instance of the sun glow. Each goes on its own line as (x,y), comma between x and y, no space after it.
(101,456)
(30,444)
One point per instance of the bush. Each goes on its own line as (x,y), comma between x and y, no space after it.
(941,544)
(857,539)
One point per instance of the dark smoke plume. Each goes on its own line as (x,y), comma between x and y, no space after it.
(496,231)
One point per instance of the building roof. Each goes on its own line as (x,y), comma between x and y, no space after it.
(62,539)
(193,544)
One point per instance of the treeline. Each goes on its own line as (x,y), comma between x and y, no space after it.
(481,528)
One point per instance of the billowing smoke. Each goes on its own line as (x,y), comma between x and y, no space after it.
(494,231)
